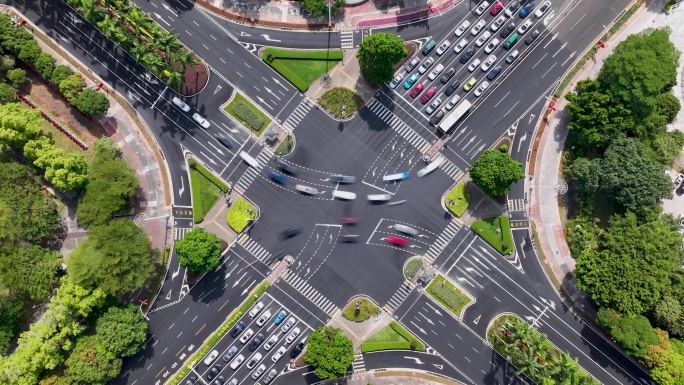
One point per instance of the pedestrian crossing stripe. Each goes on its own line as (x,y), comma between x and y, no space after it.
(299,113)
(443,240)
(313,295)
(347,39)
(239,189)
(425,148)
(399,296)
(242,238)
(251,173)
(286,273)
(358,365)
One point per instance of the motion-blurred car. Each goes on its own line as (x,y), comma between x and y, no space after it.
(278,178)
(224,140)
(399,241)
(180,104)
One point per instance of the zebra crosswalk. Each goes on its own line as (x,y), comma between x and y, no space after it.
(399,126)
(347,39)
(443,240)
(399,296)
(179,233)
(310,293)
(254,248)
(358,364)
(516,205)
(251,173)
(452,170)
(299,113)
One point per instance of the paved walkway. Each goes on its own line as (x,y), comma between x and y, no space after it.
(544,205)
(291,14)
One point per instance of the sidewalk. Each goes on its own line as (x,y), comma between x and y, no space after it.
(290,14)
(544,205)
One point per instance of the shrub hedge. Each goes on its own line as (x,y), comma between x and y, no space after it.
(404,345)
(341,102)
(366,310)
(412,267)
(197,213)
(247,114)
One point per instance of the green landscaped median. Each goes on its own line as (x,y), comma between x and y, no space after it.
(240,214)
(448,295)
(458,199)
(247,114)
(301,68)
(206,189)
(496,231)
(392,337)
(366,310)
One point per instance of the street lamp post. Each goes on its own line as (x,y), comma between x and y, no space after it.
(329,4)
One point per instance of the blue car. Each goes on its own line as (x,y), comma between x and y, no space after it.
(409,82)
(527,9)
(278,178)
(396,176)
(280,317)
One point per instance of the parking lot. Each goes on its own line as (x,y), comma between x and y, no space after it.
(258,352)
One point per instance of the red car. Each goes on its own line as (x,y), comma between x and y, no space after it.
(417,90)
(428,95)
(496,8)
(399,241)
(350,221)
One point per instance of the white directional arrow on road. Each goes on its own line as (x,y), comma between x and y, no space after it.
(418,361)
(419,328)
(182,188)
(239,279)
(278,83)
(426,318)
(243,33)
(548,18)
(522,139)
(175,273)
(244,291)
(560,49)
(436,311)
(531,117)
(440,367)
(132,96)
(271,92)
(158,16)
(551,40)
(230,272)
(264,102)
(569,57)
(268,38)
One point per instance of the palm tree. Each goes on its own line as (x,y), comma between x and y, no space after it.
(109,27)
(175,80)
(135,17)
(185,58)
(565,367)
(154,63)
(139,50)
(168,43)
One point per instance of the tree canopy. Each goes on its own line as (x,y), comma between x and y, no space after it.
(116,258)
(89,365)
(377,55)
(30,271)
(494,172)
(91,102)
(199,251)
(330,352)
(121,331)
(318,8)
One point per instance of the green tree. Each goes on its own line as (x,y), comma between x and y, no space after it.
(632,181)
(175,80)
(60,73)
(18,125)
(669,314)
(668,106)
(7,94)
(494,172)
(9,232)
(6,63)
(185,58)
(586,175)
(29,51)
(10,309)
(330,352)
(91,102)
(106,147)
(377,55)
(633,333)
(199,251)
(45,65)
(17,76)
(154,63)
(121,331)
(666,146)
(30,271)
(68,172)
(72,86)
(88,365)
(318,8)
(640,68)
(644,254)
(115,258)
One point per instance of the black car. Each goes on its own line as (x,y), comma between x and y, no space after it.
(214,371)
(287,168)
(220,381)
(237,329)
(437,117)
(291,232)
(191,381)
(224,141)
(256,342)
(507,31)
(453,87)
(494,72)
(230,354)
(532,37)
(467,54)
(680,189)
(448,75)
(296,350)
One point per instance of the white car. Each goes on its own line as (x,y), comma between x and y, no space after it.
(477,27)
(279,353)
(291,337)
(488,63)
(427,63)
(481,8)
(256,309)
(435,72)
(452,103)
(481,89)
(498,23)
(237,362)
(462,28)
(271,342)
(264,317)
(525,26)
(288,324)
(443,47)
(542,9)
(200,120)
(306,189)
(474,65)
(482,39)
(179,103)
(211,357)
(260,370)
(491,46)
(433,106)
(397,80)
(679,179)
(461,45)
(246,336)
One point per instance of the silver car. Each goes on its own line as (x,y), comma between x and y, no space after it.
(477,27)
(474,65)
(481,89)
(461,45)
(482,39)
(488,63)
(491,46)
(200,120)
(452,103)
(427,63)
(462,28)
(433,106)
(259,371)
(271,342)
(525,26)
(180,104)
(443,47)
(397,80)
(498,23)
(481,8)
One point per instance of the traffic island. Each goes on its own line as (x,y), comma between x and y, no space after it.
(243,111)
(360,310)
(496,231)
(341,102)
(392,337)
(412,266)
(240,215)
(457,199)
(299,67)
(449,296)
(206,189)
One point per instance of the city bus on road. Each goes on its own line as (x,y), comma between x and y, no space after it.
(450,121)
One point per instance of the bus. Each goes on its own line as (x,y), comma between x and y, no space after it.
(450,121)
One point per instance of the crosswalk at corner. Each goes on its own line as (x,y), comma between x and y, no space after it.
(251,173)
(443,240)
(516,205)
(299,113)
(347,39)
(358,364)
(397,124)
(399,296)
(254,248)
(450,169)
(310,293)
(179,233)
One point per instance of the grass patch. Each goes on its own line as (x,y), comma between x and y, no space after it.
(206,190)
(364,312)
(64,142)
(392,337)
(285,146)
(341,102)
(458,199)
(496,231)
(299,67)
(309,70)
(448,295)
(237,217)
(412,267)
(247,114)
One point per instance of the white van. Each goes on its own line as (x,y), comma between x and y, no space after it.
(379,197)
(249,160)
(431,167)
(345,195)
